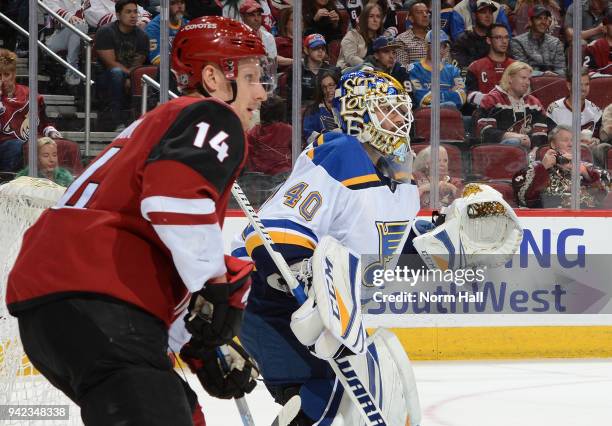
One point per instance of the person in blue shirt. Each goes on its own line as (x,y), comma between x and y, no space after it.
(318,116)
(175,22)
(452,85)
(463,17)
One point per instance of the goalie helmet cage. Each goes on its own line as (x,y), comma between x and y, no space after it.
(21,203)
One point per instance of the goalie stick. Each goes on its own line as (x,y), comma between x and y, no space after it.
(342,367)
(289,411)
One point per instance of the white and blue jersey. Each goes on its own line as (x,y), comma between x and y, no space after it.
(334,190)
(152,30)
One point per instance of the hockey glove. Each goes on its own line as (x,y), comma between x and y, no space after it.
(233,381)
(215,312)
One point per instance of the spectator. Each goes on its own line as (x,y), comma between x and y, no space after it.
(197,8)
(472,44)
(593,12)
(449,187)
(383,59)
(452,85)
(461,19)
(14,115)
(543,52)
(312,64)
(357,42)
(284,39)
(599,52)
(560,111)
(63,38)
(231,9)
(353,9)
(388,8)
(121,47)
(484,74)
(175,22)
(521,16)
(103,12)
(322,17)
(48,165)
(605,134)
(318,117)
(270,140)
(548,183)
(509,115)
(251,14)
(415,46)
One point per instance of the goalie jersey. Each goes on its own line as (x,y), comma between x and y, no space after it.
(333,190)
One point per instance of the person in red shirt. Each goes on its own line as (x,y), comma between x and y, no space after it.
(138,268)
(485,73)
(15,115)
(599,52)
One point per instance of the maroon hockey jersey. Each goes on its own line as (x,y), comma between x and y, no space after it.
(483,75)
(15,116)
(142,223)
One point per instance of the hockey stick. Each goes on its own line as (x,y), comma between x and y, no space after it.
(241,403)
(342,367)
(289,412)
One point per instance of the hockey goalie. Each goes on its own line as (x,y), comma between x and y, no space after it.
(351,193)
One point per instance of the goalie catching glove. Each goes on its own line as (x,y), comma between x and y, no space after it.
(329,323)
(480,230)
(215,312)
(232,379)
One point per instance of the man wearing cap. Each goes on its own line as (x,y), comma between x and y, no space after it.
(452,85)
(599,52)
(542,51)
(312,63)
(384,60)
(593,12)
(472,45)
(251,13)
(462,18)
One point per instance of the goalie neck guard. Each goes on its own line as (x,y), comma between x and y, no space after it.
(375,108)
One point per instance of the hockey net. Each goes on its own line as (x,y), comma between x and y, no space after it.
(21,203)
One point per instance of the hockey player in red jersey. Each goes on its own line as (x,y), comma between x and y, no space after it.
(136,239)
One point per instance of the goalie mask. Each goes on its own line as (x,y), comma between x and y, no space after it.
(375,108)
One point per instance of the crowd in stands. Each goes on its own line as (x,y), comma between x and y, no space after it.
(500,60)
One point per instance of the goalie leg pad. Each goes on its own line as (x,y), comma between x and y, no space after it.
(387,373)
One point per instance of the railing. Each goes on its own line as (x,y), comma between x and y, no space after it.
(86,77)
(146,82)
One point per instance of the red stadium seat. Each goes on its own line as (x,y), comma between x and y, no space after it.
(601,91)
(455,163)
(136,78)
(585,153)
(506,190)
(283,85)
(451,124)
(333,51)
(494,161)
(549,88)
(344,21)
(401,16)
(609,159)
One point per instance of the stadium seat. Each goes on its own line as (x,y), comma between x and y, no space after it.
(451,124)
(344,21)
(549,88)
(401,16)
(333,51)
(585,153)
(609,160)
(455,163)
(136,85)
(600,92)
(494,161)
(506,190)
(283,85)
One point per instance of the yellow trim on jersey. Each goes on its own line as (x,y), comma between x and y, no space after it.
(321,139)
(361,179)
(310,153)
(279,237)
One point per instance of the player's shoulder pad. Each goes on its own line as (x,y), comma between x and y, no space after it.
(206,136)
(345,160)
